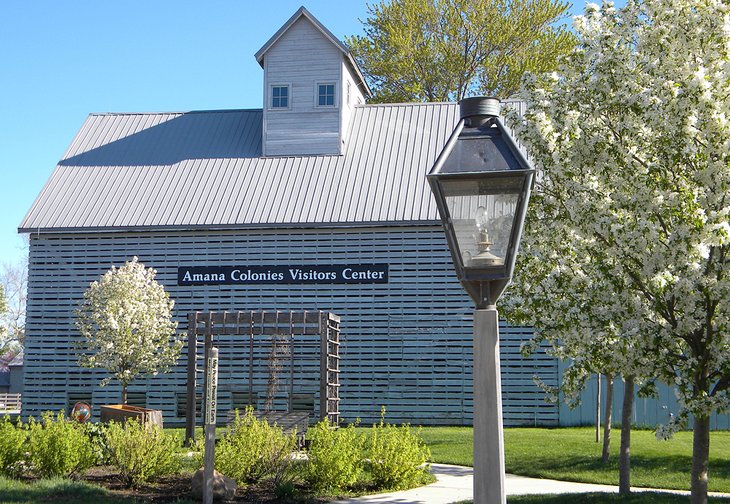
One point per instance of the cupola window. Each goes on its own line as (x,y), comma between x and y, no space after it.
(326,94)
(280,96)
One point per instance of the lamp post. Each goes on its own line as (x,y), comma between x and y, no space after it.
(481,182)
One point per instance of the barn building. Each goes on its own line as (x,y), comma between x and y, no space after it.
(316,188)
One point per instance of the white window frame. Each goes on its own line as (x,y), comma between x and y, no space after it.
(334,96)
(270,98)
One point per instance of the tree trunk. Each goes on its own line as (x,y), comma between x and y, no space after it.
(700,459)
(598,407)
(124,393)
(607,418)
(624,461)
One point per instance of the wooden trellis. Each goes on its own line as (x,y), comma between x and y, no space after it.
(306,334)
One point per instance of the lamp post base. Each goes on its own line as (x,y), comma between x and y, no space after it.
(488,431)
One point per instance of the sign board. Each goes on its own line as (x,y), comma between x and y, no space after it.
(284,275)
(211,387)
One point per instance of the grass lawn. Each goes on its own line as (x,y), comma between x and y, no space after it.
(572,454)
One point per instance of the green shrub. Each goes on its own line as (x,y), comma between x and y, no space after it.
(397,456)
(96,432)
(141,453)
(58,446)
(252,450)
(12,447)
(335,457)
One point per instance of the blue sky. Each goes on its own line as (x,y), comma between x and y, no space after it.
(61,61)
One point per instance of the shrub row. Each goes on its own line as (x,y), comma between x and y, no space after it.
(251,451)
(387,457)
(57,446)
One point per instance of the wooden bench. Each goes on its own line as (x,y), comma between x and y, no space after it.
(288,421)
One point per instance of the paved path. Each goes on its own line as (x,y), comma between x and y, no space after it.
(455,484)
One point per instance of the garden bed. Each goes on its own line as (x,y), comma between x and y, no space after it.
(54,459)
(101,485)
(177,489)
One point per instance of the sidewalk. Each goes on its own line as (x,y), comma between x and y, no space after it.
(455,484)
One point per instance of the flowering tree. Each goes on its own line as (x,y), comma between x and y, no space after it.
(126,323)
(633,141)
(6,338)
(14,282)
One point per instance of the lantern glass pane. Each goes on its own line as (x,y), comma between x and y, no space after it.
(483,151)
(483,214)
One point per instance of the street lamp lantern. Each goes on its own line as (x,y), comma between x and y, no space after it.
(481,182)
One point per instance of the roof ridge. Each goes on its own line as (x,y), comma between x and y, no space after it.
(226,111)
(172,112)
(405,104)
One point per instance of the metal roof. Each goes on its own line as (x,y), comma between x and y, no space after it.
(17,360)
(204,169)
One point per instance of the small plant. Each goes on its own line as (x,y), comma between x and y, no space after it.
(285,490)
(397,456)
(12,447)
(253,449)
(140,453)
(335,457)
(58,446)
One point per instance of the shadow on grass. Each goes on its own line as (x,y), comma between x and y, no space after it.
(607,498)
(548,466)
(56,491)
(64,491)
(643,469)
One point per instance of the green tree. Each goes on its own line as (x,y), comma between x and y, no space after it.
(440,50)
(126,325)
(629,233)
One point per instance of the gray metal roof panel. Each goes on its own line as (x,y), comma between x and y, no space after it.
(125,171)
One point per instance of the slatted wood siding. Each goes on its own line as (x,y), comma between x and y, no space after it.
(406,345)
(648,411)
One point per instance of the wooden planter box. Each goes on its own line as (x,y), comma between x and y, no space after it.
(120,413)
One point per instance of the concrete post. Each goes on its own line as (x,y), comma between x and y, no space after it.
(488,433)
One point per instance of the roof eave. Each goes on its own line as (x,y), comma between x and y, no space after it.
(219,227)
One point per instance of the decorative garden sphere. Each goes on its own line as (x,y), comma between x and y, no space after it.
(81,412)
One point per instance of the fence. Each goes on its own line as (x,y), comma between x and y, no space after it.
(9,402)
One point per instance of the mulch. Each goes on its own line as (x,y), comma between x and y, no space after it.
(173,488)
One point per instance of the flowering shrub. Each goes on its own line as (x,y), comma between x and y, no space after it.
(140,453)
(58,446)
(12,447)
(253,449)
(335,457)
(397,456)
